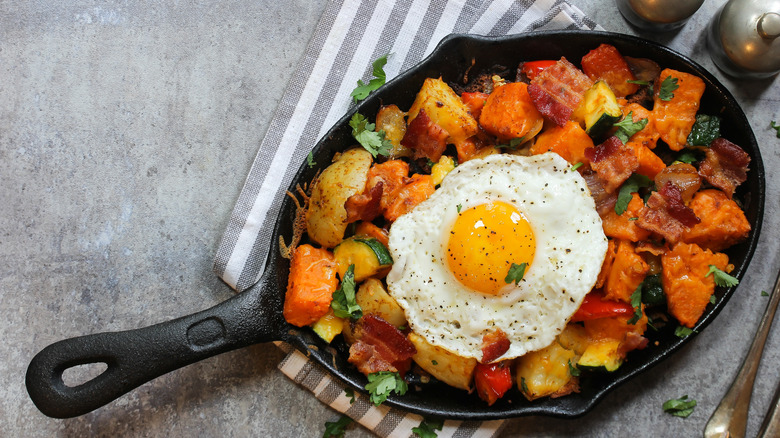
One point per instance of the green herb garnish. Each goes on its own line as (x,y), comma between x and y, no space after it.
(628,127)
(363,90)
(680,407)
(638,82)
(381,384)
(513,144)
(683,332)
(704,130)
(576,166)
(776,127)
(631,185)
(350,394)
(666,92)
(516,273)
(310,160)
(373,142)
(764,293)
(687,156)
(335,429)
(344,304)
(428,427)
(573,370)
(721,278)
(636,303)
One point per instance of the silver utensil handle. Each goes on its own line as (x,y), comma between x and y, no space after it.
(730,417)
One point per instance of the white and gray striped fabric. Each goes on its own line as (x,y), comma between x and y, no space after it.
(349,36)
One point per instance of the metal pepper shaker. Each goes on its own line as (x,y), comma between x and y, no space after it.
(658,15)
(743,38)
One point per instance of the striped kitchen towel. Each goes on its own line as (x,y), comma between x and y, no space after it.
(349,36)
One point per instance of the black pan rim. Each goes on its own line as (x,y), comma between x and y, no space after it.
(561,407)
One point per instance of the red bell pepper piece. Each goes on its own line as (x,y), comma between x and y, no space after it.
(533,68)
(594,307)
(492,380)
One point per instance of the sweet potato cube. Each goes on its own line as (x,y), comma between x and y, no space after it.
(627,273)
(310,285)
(674,118)
(687,286)
(509,113)
(569,141)
(722,224)
(624,226)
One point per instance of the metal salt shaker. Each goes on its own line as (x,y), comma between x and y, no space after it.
(743,38)
(658,15)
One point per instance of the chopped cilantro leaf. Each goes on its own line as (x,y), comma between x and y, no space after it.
(344,304)
(459,207)
(428,427)
(335,429)
(628,127)
(776,127)
(636,303)
(631,185)
(764,293)
(721,278)
(633,219)
(363,90)
(573,370)
(713,300)
(310,160)
(513,144)
(373,142)
(350,394)
(704,130)
(683,332)
(679,407)
(516,273)
(666,92)
(638,82)
(576,166)
(381,384)
(434,362)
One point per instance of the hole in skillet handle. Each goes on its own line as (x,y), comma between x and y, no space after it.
(450,60)
(135,357)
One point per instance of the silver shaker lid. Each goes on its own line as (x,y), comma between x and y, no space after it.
(749,32)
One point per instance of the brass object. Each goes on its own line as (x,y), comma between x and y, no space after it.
(731,415)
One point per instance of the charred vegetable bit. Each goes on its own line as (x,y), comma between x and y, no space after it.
(382,384)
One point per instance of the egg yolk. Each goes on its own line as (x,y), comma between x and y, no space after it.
(484,243)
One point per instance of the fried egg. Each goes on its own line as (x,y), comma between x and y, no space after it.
(453,253)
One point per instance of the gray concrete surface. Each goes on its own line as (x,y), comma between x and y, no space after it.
(126,130)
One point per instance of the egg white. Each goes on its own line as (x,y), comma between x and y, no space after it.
(570,249)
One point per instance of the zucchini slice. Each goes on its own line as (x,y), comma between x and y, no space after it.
(367,254)
(601,356)
(599,110)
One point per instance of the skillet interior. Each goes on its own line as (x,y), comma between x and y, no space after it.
(450,60)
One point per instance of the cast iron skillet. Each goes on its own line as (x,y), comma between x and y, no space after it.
(138,356)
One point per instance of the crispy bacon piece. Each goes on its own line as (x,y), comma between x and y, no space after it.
(605,201)
(613,162)
(379,347)
(382,182)
(682,175)
(557,90)
(494,344)
(425,137)
(632,341)
(666,214)
(364,206)
(725,165)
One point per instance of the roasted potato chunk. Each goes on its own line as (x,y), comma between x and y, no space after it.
(326,219)
(450,368)
(373,298)
(545,372)
(446,109)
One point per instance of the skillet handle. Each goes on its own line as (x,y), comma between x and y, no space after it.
(138,356)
